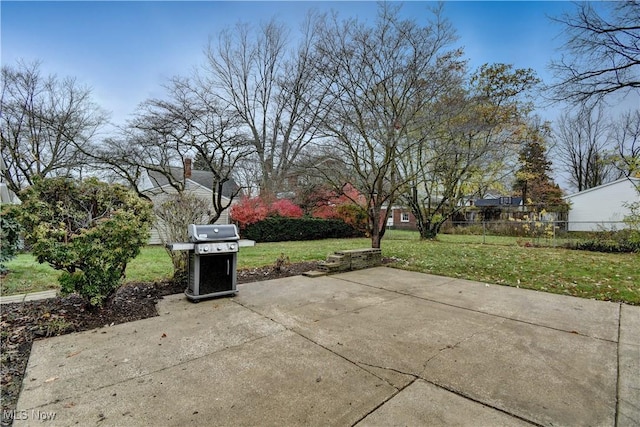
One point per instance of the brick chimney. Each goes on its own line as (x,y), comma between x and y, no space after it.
(187,168)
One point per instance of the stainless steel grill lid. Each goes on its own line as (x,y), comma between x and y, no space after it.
(212,232)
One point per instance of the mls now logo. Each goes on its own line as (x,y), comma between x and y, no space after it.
(34,414)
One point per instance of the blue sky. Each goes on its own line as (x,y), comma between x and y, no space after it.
(125,51)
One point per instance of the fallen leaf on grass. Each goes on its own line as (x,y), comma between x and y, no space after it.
(50,380)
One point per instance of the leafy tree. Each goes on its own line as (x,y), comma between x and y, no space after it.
(90,230)
(467,141)
(533,178)
(44,126)
(601,52)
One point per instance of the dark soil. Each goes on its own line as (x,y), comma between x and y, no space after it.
(22,323)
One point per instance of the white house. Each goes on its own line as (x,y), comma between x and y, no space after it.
(603,207)
(199,183)
(7,197)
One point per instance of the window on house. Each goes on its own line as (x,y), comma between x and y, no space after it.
(404,217)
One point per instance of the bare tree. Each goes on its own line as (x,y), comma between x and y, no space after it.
(380,79)
(602,52)
(272,89)
(190,122)
(583,145)
(626,136)
(45,123)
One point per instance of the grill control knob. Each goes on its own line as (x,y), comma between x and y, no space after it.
(219,248)
(205,248)
(232,247)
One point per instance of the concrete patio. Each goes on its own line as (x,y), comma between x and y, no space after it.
(375,347)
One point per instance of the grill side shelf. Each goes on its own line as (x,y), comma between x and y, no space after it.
(181,246)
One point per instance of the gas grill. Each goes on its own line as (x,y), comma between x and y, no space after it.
(213,257)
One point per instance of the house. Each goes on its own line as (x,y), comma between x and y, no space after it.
(200,183)
(400,218)
(603,207)
(7,197)
(496,208)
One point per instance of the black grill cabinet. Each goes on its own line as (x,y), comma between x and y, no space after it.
(213,258)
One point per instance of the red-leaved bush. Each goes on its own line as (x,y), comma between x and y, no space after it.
(248,210)
(255,209)
(286,208)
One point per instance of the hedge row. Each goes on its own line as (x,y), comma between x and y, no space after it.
(280,229)
(620,241)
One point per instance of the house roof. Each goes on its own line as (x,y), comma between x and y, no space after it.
(634,181)
(200,177)
(499,201)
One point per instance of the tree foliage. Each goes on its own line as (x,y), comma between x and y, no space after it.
(348,205)
(10,239)
(44,124)
(469,137)
(533,178)
(90,230)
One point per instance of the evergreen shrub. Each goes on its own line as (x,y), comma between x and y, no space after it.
(87,229)
(280,229)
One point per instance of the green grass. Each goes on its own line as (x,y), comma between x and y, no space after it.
(26,275)
(151,265)
(500,260)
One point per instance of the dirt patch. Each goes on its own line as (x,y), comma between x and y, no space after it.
(22,323)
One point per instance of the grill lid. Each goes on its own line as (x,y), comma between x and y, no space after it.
(212,232)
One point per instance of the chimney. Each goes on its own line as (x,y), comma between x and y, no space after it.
(187,168)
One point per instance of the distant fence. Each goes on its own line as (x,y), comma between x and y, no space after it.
(539,232)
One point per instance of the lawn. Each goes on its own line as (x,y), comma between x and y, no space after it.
(499,260)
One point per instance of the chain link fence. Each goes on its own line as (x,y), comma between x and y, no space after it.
(552,233)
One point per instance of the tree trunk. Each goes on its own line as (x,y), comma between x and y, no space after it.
(374,227)
(375,239)
(429,230)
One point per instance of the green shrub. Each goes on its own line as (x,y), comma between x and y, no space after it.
(90,230)
(619,241)
(279,229)
(10,241)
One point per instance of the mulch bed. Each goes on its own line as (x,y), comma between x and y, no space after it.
(22,323)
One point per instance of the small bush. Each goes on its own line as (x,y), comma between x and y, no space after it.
(252,210)
(278,229)
(621,241)
(172,217)
(90,230)
(10,241)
